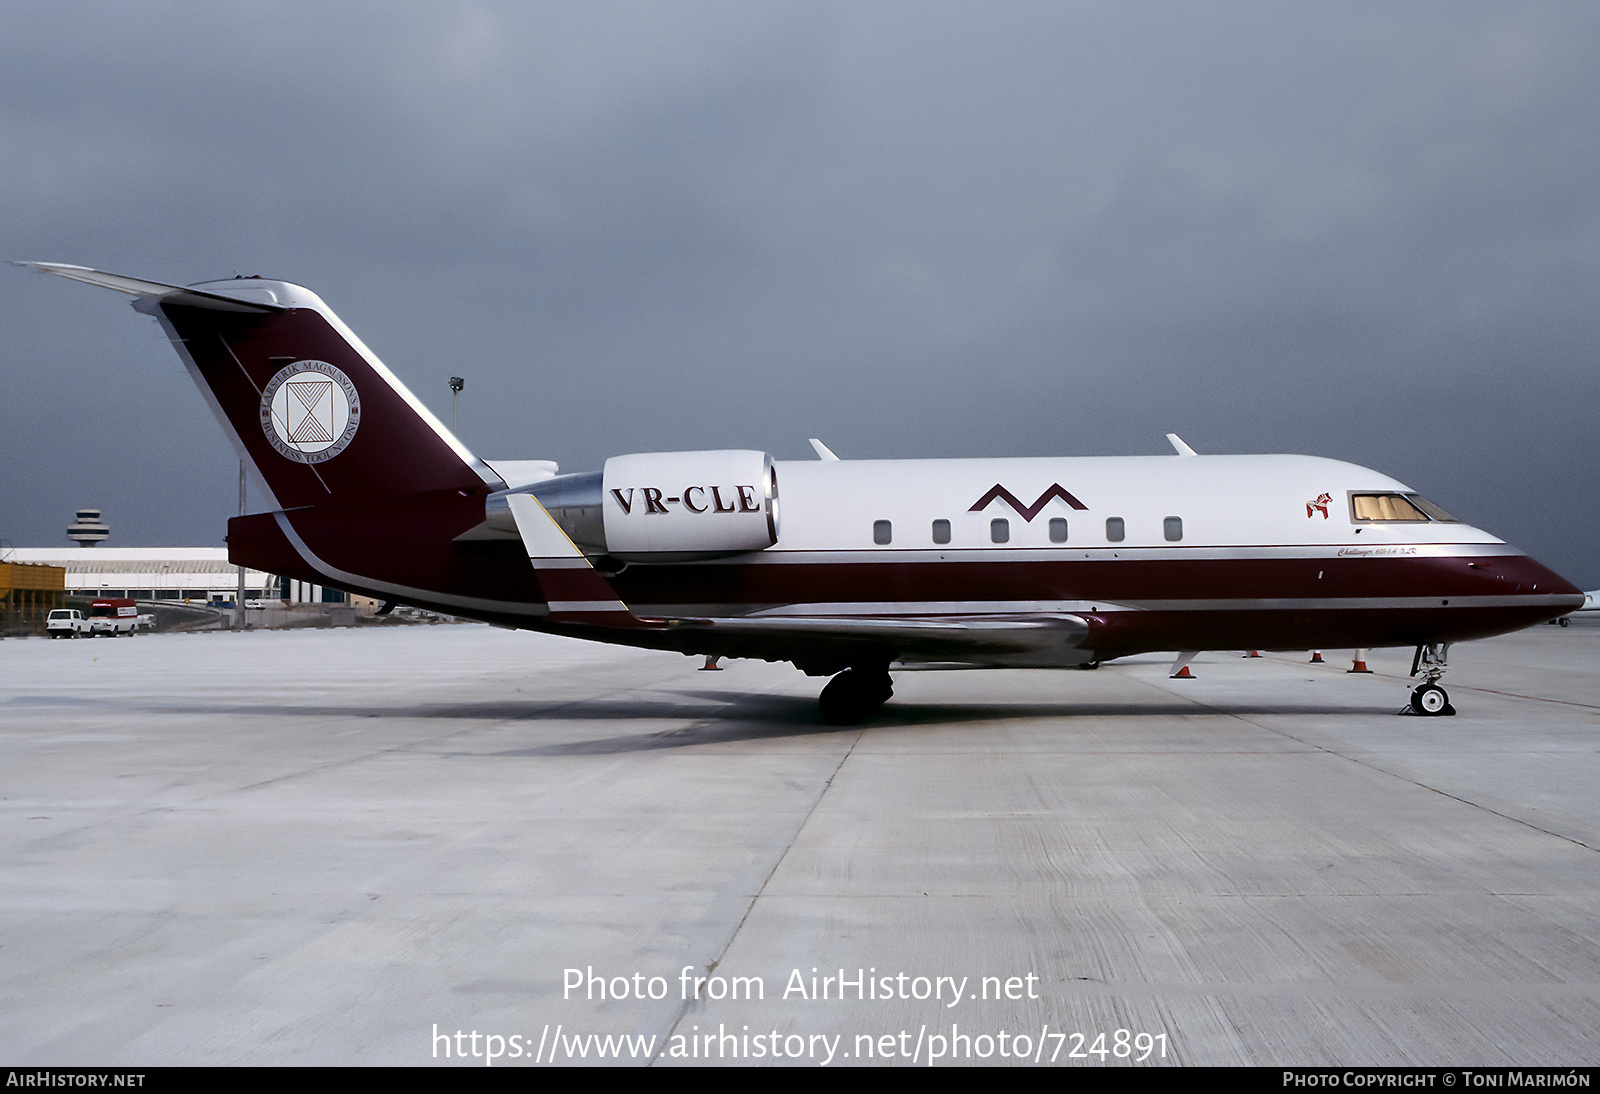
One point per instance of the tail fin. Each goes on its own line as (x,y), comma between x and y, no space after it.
(309,407)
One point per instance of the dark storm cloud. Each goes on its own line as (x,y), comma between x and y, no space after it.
(1364,231)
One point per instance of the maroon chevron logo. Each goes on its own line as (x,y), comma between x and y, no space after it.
(1028,511)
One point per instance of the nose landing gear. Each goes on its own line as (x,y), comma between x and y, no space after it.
(1429,698)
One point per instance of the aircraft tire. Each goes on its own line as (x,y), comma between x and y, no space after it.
(1431,700)
(854,694)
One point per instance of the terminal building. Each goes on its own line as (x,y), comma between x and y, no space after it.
(167,573)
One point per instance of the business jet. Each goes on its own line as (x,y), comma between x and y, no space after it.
(842,567)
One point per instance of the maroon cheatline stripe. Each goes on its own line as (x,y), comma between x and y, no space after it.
(1092,580)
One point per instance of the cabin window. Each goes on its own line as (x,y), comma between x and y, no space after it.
(1058,529)
(1412,508)
(1172,528)
(882,532)
(941,531)
(999,530)
(1116,530)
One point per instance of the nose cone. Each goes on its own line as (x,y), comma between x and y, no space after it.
(1535,577)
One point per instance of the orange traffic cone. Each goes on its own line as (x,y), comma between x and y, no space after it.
(1253,653)
(711,664)
(1316,658)
(1359,662)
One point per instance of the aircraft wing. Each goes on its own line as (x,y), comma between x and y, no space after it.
(823,645)
(944,636)
(579,595)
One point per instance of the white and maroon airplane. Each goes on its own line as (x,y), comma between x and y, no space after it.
(842,567)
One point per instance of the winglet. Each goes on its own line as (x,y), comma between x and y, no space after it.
(574,590)
(1177,443)
(823,451)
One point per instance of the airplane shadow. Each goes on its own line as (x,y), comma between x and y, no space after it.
(917,714)
(715,717)
(771,717)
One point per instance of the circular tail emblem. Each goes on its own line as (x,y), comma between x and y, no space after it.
(310,411)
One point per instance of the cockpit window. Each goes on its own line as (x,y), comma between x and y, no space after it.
(1392,508)
(1431,509)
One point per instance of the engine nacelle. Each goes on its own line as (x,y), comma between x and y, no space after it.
(674,506)
(660,506)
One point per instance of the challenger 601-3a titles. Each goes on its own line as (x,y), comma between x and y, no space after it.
(843,567)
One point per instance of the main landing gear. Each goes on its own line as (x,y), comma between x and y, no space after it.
(1430,699)
(854,694)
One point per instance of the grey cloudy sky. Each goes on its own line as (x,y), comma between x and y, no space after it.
(1360,230)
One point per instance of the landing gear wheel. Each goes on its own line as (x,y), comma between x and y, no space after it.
(1431,700)
(854,694)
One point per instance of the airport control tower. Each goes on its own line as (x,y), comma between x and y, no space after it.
(88,530)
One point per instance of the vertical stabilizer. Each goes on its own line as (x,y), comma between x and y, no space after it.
(307,405)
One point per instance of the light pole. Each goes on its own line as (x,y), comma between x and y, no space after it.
(456,384)
(238,596)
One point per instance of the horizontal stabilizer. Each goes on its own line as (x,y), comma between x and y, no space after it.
(167,294)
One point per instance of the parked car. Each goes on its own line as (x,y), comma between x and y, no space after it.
(67,623)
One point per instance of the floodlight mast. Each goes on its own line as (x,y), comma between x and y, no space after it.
(238,596)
